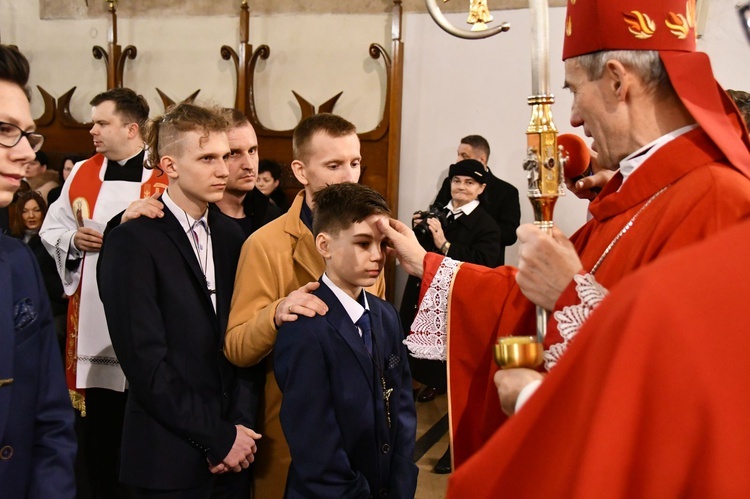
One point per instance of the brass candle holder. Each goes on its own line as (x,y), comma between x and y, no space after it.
(544,167)
(543,163)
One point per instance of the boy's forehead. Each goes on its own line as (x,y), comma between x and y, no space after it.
(367,227)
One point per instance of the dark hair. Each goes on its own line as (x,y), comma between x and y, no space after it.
(75,158)
(235,117)
(270,166)
(162,132)
(339,206)
(17,227)
(479,143)
(742,100)
(330,124)
(42,157)
(14,67)
(131,107)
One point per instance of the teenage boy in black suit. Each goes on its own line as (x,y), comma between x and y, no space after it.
(166,284)
(347,410)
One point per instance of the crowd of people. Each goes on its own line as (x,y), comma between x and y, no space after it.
(171,328)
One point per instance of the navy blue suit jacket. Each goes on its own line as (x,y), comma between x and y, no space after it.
(37,440)
(332,411)
(183,401)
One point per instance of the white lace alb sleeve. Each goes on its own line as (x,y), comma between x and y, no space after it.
(428,335)
(57,232)
(570,319)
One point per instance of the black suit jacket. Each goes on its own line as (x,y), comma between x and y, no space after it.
(52,282)
(252,380)
(332,412)
(499,199)
(182,405)
(259,208)
(474,238)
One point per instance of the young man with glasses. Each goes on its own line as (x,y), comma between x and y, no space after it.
(37,441)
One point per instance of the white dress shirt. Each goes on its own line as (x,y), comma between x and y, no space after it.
(199,235)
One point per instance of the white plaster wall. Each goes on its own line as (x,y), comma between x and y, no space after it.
(454,88)
(315,55)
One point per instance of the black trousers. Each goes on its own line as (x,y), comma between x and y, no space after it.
(100,434)
(225,486)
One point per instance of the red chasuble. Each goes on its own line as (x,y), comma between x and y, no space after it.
(703,195)
(651,398)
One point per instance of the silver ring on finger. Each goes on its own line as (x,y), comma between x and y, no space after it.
(290,309)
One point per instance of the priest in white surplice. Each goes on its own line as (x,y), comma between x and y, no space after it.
(98,189)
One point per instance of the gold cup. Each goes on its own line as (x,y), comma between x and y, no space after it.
(518,351)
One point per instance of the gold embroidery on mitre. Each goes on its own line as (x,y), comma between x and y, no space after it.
(677,25)
(640,25)
(572,2)
(690,13)
(569,26)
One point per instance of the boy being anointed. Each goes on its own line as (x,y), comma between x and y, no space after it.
(348,409)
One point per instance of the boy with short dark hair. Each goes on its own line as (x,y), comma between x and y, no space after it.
(347,410)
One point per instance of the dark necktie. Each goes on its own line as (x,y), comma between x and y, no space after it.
(366,327)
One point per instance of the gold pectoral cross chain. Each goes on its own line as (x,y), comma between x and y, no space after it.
(386,391)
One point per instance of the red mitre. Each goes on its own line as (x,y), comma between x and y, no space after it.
(667,26)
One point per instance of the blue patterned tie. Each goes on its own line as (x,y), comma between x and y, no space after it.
(366,327)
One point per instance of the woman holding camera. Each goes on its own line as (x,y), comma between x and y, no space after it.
(463,231)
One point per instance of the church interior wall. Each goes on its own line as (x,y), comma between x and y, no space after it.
(451,87)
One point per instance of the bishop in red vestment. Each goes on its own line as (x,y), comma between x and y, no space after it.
(651,398)
(684,160)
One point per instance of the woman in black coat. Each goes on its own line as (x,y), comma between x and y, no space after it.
(463,231)
(27,219)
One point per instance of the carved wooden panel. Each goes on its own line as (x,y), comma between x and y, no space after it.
(380,146)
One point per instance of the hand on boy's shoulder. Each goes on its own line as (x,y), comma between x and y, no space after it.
(300,302)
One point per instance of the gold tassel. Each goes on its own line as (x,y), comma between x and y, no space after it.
(79,402)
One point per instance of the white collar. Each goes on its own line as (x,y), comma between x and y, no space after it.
(122,162)
(637,158)
(465,209)
(185,220)
(353,308)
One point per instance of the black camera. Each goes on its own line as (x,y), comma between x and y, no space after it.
(422,230)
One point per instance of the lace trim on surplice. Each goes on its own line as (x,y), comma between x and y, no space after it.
(571,318)
(429,331)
